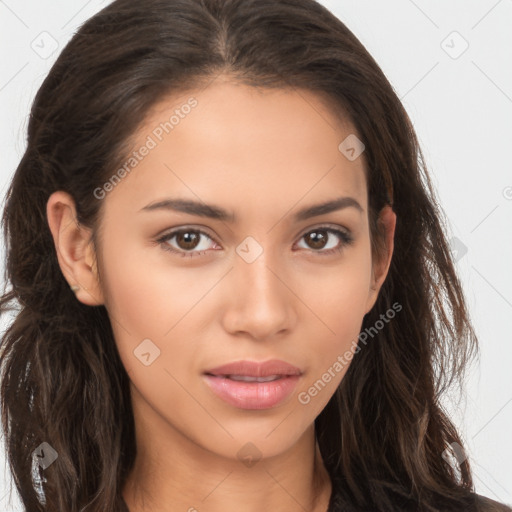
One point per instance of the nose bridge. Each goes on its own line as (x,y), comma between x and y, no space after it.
(257,278)
(262,304)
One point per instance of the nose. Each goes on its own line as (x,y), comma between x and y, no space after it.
(261,303)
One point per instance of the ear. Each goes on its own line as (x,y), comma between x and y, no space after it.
(386,222)
(74,247)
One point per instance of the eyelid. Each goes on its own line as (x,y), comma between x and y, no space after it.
(345,235)
(166,236)
(324,225)
(206,231)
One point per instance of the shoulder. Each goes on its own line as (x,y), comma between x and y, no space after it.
(488,505)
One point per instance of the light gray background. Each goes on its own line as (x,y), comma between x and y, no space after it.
(461,106)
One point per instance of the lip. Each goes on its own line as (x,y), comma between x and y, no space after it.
(253,395)
(255,369)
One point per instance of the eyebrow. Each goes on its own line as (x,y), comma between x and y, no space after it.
(216,212)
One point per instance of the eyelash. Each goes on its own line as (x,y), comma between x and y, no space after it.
(346,240)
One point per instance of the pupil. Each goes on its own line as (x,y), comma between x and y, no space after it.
(318,239)
(189,239)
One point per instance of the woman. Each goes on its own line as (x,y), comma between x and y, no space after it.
(235,288)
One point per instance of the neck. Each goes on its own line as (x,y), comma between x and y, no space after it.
(172,474)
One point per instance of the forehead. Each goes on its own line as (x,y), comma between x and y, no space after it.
(237,143)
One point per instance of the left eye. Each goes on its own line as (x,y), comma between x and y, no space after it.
(189,241)
(320,240)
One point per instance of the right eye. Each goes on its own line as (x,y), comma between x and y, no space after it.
(188,239)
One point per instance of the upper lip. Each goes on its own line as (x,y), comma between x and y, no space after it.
(255,369)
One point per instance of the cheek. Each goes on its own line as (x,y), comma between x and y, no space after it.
(341,292)
(339,301)
(145,290)
(151,297)
(154,295)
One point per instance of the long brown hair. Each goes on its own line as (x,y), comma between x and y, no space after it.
(383,435)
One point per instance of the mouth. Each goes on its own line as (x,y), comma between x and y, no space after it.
(249,378)
(252,385)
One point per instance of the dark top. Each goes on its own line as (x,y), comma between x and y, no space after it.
(337,504)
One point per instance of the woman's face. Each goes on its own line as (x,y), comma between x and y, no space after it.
(257,273)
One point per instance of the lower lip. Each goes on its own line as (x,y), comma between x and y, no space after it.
(252,395)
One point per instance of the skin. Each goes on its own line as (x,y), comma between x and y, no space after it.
(263,155)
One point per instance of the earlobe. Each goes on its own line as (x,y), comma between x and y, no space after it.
(74,249)
(387,221)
